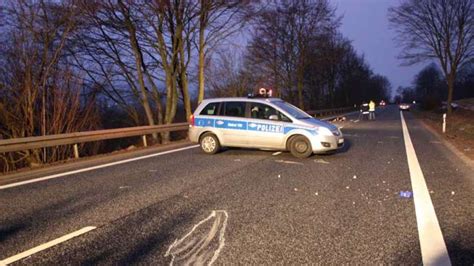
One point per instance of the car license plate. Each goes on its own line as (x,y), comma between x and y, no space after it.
(340,141)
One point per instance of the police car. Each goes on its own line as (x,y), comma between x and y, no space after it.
(264,123)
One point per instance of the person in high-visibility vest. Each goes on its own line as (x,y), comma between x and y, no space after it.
(371,110)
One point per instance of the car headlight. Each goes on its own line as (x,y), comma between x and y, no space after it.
(324,131)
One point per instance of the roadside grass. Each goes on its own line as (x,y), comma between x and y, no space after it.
(459,128)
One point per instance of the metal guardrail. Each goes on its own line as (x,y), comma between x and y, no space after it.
(333,111)
(20,144)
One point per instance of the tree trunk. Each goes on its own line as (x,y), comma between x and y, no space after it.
(299,86)
(183,78)
(201,66)
(171,103)
(157,98)
(138,63)
(451,78)
(185,92)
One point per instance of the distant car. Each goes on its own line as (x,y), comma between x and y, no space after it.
(404,107)
(382,103)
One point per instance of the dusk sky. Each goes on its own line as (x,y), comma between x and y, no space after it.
(366,23)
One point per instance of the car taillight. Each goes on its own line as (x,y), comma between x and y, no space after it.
(191,120)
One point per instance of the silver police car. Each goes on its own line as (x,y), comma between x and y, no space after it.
(264,123)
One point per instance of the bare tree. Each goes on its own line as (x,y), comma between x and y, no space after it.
(217,21)
(237,81)
(40,92)
(285,34)
(165,19)
(140,66)
(441,30)
(109,47)
(296,49)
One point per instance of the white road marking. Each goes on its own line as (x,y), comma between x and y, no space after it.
(276,153)
(433,247)
(94,167)
(288,162)
(190,251)
(47,245)
(321,161)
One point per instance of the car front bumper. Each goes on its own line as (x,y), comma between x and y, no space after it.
(323,144)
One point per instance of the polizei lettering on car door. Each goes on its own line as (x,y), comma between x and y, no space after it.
(266,128)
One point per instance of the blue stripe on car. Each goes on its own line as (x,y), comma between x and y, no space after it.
(243,125)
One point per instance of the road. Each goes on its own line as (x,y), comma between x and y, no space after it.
(253,207)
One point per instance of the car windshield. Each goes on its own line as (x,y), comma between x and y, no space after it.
(292,110)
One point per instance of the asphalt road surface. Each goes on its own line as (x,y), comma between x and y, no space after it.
(254,207)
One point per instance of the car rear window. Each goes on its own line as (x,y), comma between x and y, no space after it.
(210,109)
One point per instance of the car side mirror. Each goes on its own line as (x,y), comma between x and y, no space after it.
(273,117)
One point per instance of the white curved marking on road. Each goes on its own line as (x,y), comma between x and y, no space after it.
(94,167)
(47,245)
(195,249)
(433,247)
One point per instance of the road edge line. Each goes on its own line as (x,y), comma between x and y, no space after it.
(433,247)
(46,245)
(21,183)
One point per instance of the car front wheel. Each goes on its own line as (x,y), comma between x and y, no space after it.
(300,147)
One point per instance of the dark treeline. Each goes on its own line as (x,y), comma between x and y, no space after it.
(77,65)
(429,87)
(296,50)
(440,31)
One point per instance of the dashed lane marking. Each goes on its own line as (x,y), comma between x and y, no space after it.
(47,245)
(94,167)
(433,247)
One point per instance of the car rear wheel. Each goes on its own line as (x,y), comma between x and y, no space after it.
(300,147)
(209,143)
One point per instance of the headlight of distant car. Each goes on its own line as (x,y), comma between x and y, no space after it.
(324,131)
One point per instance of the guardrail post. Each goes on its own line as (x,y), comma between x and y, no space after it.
(145,144)
(76,151)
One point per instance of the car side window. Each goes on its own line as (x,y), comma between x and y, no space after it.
(235,109)
(284,118)
(210,109)
(263,111)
